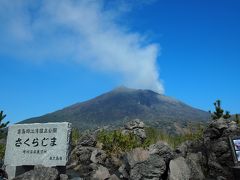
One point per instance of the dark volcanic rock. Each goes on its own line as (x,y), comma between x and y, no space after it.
(87,140)
(153,168)
(39,173)
(149,164)
(135,127)
(215,148)
(162,150)
(178,169)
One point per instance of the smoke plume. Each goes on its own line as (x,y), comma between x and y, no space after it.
(85,32)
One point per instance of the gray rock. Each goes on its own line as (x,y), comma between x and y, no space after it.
(215,169)
(178,169)
(39,173)
(193,161)
(219,124)
(63,177)
(113,177)
(140,133)
(123,171)
(101,173)
(217,148)
(183,148)
(113,163)
(211,133)
(152,168)
(136,123)
(87,140)
(162,150)
(135,127)
(136,156)
(220,147)
(81,155)
(98,156)
(233,126)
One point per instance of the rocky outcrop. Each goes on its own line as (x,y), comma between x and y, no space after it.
(88,140)
(217,148)
(206,158)
(211,156)
(135,127)
(148,164)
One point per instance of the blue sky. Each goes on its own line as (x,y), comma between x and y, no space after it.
(56,53)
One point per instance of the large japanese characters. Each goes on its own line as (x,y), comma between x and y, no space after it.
(33,144)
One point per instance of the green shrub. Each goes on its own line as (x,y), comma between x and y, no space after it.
(115,142)
(154,135)
(75,135)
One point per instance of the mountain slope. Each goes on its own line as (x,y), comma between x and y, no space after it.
(124,104)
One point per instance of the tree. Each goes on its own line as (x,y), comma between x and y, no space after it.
(2,124)
(219,112)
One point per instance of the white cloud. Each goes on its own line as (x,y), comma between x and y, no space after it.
(86,32)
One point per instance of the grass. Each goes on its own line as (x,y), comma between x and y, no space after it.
(115,142)
(153,135)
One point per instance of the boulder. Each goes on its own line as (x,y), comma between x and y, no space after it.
(178,169)
(137,155)
(220,146)
(216,148)
(113,163)
(194,162)
(63,177)
(162,150)
(136,123)
(211,133)
(135,127)
(183,148)
(98,156)
(81,155)
(39,173)
(143,165)
(101,173)
(219,124)
(152,168)
(88,140)
(113,177)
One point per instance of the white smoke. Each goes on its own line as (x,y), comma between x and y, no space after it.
(82,31)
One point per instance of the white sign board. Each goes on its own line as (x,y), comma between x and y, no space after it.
(39,143)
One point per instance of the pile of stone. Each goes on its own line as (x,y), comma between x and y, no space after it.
(135,127)
(211,156)
(206,158)
(218,153)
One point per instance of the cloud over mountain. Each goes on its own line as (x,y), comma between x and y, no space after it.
(85,32)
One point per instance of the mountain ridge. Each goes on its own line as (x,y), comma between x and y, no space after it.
(123,104)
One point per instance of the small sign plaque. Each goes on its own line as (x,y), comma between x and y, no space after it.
(235,145)
(39,143)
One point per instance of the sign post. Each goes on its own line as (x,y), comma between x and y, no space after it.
(44,144)
(235,146)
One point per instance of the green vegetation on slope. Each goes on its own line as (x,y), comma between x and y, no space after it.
(115,142)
